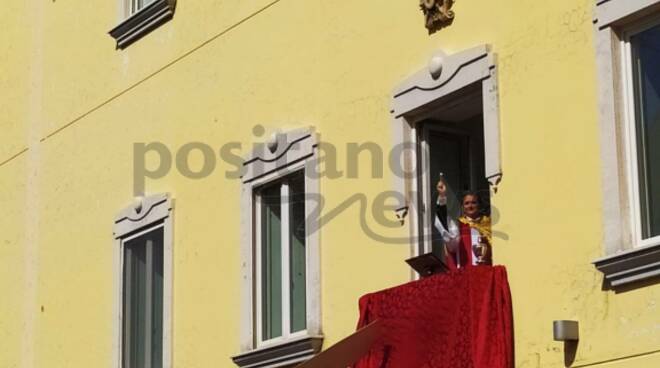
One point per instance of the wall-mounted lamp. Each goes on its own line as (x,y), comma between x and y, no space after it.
(565,330)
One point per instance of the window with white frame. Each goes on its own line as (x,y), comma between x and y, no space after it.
(143,308)
(280,249)
(280,322)
(627,54)
(142,299)
(641,57)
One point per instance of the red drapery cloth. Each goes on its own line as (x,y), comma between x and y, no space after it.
(458,319)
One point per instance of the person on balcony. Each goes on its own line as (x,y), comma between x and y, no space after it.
(467,243)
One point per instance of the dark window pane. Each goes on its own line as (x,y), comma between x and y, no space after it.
(646,57)
(142,300)
(297,253)
(455,149)
(271,263)
(135,311)
(449,155)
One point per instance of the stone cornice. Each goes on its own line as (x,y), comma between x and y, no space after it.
(287,353)
(142,22)
(631,266)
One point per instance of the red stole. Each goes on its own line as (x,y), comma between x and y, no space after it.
(464,249)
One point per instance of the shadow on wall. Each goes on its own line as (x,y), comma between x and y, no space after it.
(570,350)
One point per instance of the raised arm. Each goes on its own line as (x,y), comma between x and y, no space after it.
(445,226)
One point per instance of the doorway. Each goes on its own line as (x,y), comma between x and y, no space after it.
(451,145)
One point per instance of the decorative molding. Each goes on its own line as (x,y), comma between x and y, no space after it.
(437,13)
(614,214)
(448,74)
(401,214)
(284,354)
(283,150)
(612,12)
(144,212)
(143,22)
(494,180)
(631,266)
(455,72)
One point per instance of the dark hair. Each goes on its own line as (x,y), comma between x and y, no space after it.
(471,193)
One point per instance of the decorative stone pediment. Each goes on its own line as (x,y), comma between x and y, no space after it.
(285,148)
(143,211)
(447,74)
(616,12)
(437,13)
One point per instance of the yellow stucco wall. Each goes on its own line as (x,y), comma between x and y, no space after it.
(212,73)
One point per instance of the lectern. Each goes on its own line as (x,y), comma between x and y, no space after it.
(427,264)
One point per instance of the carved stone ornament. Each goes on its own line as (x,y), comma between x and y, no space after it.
(438,13)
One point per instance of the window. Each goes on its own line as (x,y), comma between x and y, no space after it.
(136,5)
(281,256)
(142,344)
(454,149)
(628,48)
(143,307)
(642,52)
(281,314)
(447,119)
(139,17)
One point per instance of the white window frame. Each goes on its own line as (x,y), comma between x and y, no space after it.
(286,272)
(288,152)
(144,216)
(630,132)
(627,258)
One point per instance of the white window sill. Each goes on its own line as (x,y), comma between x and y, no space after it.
(629,267)
(142,22)
(283,354)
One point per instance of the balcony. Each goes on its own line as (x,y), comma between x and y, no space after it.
(458,319)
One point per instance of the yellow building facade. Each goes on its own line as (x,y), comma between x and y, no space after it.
(79,114)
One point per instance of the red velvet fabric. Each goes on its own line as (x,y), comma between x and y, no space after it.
(461,319)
